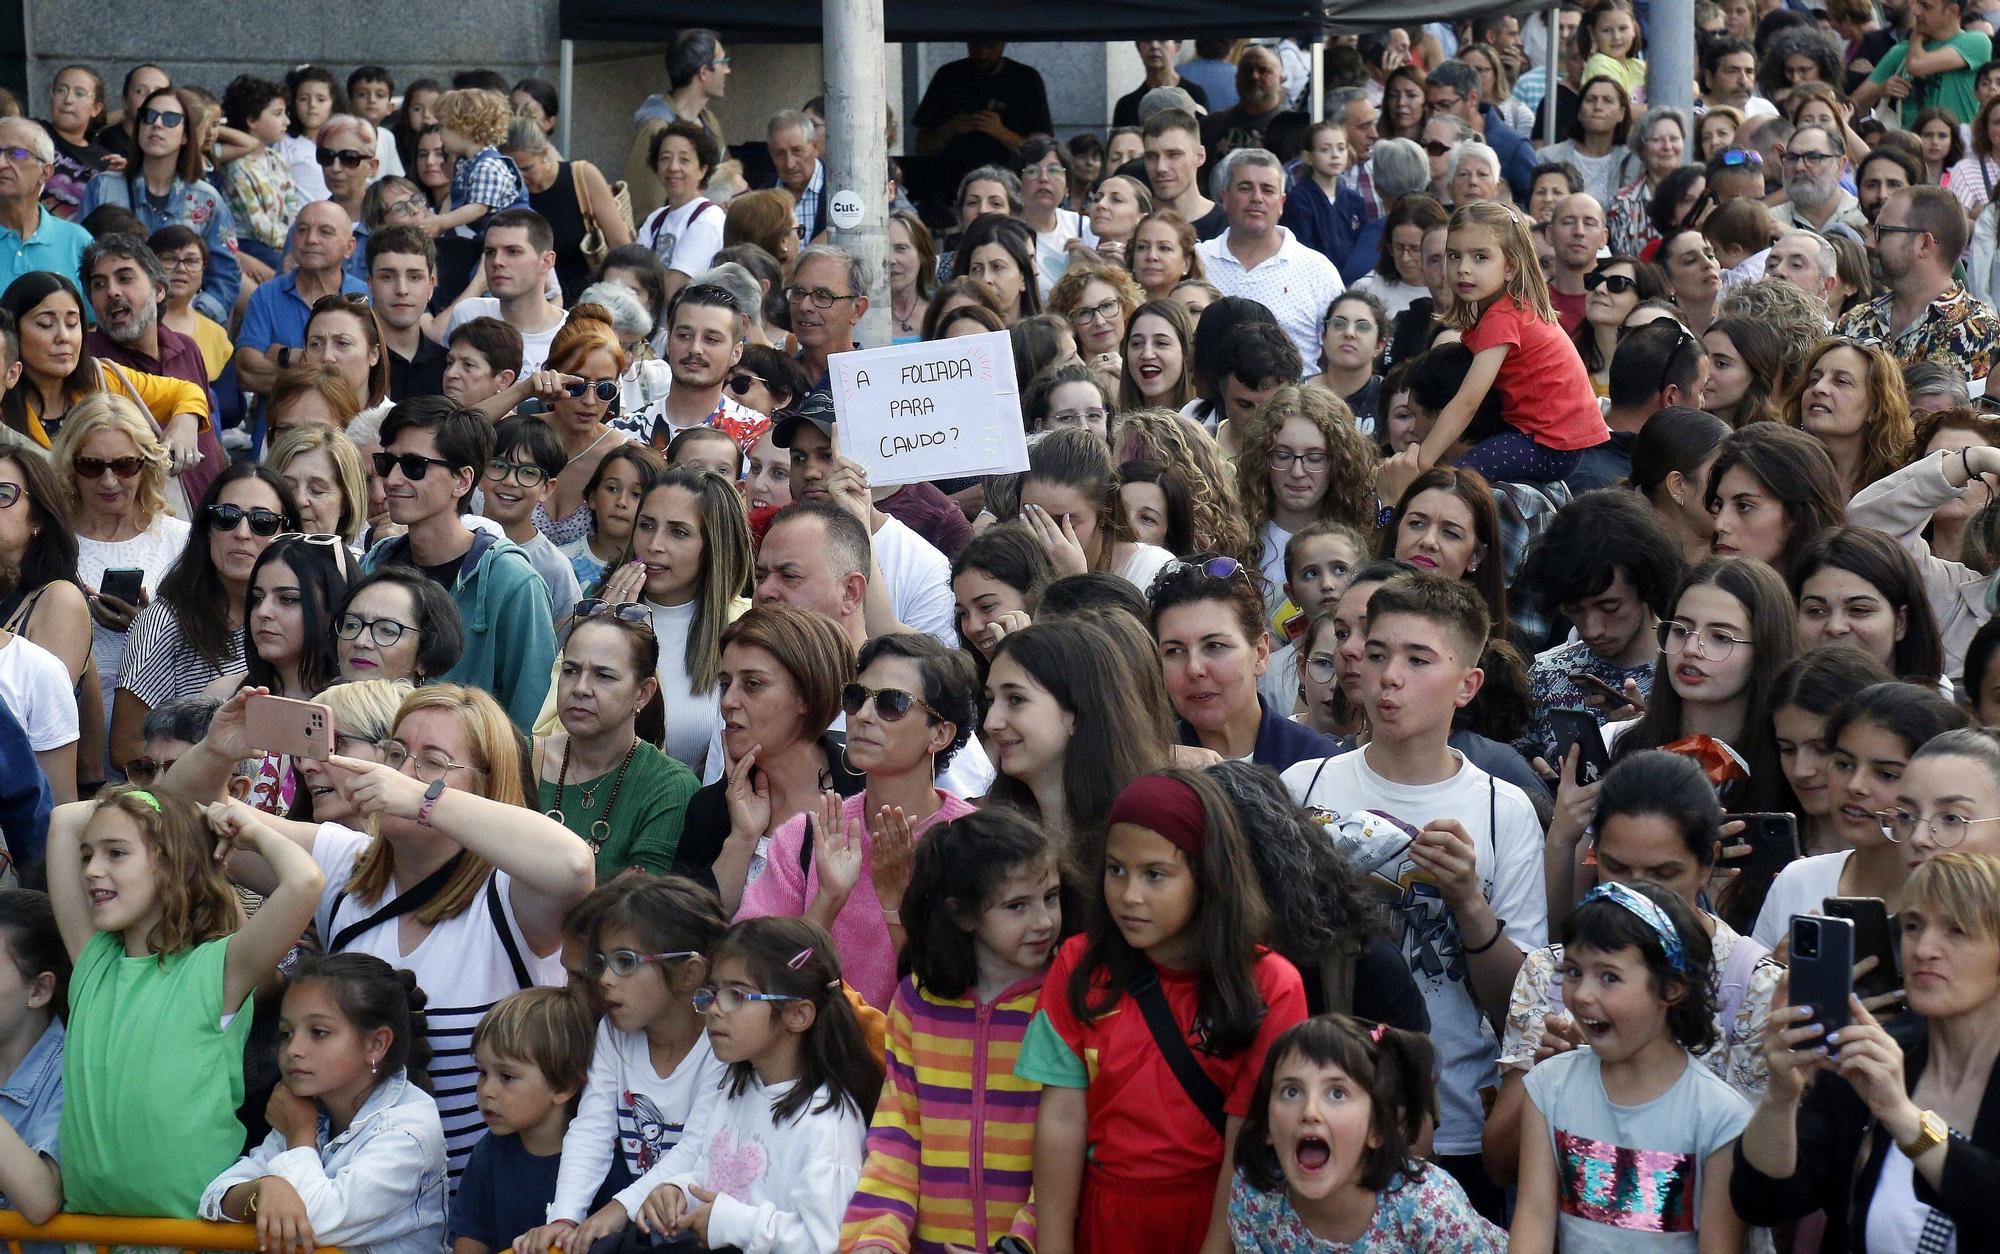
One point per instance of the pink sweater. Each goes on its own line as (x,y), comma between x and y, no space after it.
(860,936)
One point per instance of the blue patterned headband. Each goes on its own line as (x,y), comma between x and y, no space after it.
(1650,914)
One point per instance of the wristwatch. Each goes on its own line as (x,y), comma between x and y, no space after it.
(431,796)
(1932,1131)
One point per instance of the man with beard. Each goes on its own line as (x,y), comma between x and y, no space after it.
(1882,173)
(32,238)
(402,274)
(126,284)
(704,342)
(274,325)
(520,253)
(1925,315)
(1174,157)
(1260,97)
(1814,197)
(1576,233)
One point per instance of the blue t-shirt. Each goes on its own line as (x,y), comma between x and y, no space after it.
(277,314)
(504,1192)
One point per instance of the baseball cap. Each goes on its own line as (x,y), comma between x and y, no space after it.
(814,407)
(1168,98)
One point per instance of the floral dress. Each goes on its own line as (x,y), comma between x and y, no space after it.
(1427,1214)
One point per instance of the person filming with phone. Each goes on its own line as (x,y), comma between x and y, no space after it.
(1893,1131)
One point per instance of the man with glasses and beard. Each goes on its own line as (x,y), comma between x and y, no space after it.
(705,331)
(1925,315)
(1814,198)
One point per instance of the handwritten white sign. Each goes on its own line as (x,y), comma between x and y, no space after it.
(945,409)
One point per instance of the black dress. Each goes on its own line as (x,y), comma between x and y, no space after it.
(559,205)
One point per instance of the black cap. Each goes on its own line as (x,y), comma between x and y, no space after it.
(814,407)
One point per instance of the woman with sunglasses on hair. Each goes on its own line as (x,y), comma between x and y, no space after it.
(1611,292)
(908,711)
(193,634)
(167,184)
(343,332)
(597,776)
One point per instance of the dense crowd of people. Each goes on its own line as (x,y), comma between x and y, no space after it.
(1472,731)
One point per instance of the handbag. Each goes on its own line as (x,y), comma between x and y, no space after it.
(594,247)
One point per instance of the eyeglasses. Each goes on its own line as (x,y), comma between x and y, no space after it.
(348,158)
(628,962)
(605,389)
(1740,156)
(65,91)
(528,475)
(799,233)
(226,518)
(383,633)
(742,383)
(1712,643)
(1322,668)
(1807,158)
(408,204)
(1882,229)
(18,154)
(1282,459)
(892,705)
(718,62)
(1213,568)
(729,1000)
(819,296)
(9,493)
(123,467)
(147,770)
(1341,326)
(429,768)
(624,611)
(1103,311)
(1050,173)
(1080,417)
(346,745)
(1947,830)
(1445,102)
(185,261)
(1616,284)
(413,465)
(161,117)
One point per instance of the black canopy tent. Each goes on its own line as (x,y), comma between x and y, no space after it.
(799,21)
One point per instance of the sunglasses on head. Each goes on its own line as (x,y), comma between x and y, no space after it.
(348,158)
(891,704)
(263,522)
(123,467)
(606,389)
(1741,156)
(163,117)
(624,611)
(1616,284)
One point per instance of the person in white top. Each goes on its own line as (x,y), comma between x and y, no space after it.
(520,259)
(35,689)
(1069,499)
(705,338)
(1263,261)
(686,232)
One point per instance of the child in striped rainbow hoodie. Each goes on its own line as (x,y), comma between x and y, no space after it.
(951,1151)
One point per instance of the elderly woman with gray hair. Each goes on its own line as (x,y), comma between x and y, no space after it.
(643,388)
(1658,145)
(1472,172)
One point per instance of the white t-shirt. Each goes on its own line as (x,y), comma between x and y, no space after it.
(153,551)
(919,579)
(631,1108)
(1800,888)
(691,715)
(389,161)
(534,348)
(1895,1217)
(35,688)
(1142,564)
(1051,255)
(1507,847)
(685,239)
(302,154)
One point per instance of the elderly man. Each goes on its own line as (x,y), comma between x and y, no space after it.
(697,76)
(1400,169)
(1806,260)
(1454,88)
(274,325)
(1814,197)
(828,295)
(1576,234)
(1158,56)
(1260,259)
(32,238)
(127,285)
(1359,119)
(1925,315)
(789,139)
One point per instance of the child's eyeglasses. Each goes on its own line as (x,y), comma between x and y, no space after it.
(627,962)
(730,1000)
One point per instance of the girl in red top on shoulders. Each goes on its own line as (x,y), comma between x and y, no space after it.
(1127,1157)
(1500,301)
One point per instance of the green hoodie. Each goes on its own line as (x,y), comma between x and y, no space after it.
(510,635)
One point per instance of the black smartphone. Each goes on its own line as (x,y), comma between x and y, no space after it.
(1873,937)
(1579,727)
(1773,841)
(124,583)
(1822,973)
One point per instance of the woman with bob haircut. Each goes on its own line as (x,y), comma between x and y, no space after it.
(397,624)
(1770,490)
(324,470)
(1163,253)
(1854,585)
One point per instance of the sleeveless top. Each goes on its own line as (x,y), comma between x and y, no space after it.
(560,206)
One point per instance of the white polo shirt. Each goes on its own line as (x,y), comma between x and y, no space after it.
(1297,284)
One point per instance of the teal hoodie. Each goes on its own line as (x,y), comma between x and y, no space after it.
(510,635)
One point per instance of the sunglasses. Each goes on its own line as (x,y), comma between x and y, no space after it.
(263,522)
(1616,284)
(891,704)
(742,383)
(161,117)
(146,770)
(606,389)
(1741,156)
(347,157)
(1214,568)
(123,467)
(318,539)
(1436,148)
(414,465)
(624,611)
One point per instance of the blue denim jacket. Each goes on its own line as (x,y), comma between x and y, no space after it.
(195,205)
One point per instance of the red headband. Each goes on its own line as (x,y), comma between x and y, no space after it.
(1160,803)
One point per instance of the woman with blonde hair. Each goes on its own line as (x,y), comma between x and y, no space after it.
(324,470)
(1281,489)
(364,718)
(444,812)
(1163,436)
(912,274)
(1850,397)
(1496,86)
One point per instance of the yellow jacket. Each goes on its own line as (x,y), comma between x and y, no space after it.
(162,397)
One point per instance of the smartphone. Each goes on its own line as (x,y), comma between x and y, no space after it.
(1613,698)
(124,583)
(1579,727)
(1822,974)
(299,729)
(1873,936)
(1773,841)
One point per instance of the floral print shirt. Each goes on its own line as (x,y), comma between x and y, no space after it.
(1425,1215)
(1957,331)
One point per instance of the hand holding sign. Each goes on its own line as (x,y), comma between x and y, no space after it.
(915,412)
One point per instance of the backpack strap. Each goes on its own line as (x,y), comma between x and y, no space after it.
(1735,982)
(499,913)
(1144,986)
(416,897)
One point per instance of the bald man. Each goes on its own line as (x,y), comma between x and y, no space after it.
(274,325)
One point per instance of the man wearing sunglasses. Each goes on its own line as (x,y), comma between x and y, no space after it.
(433,454)
(274,324)
(32,238)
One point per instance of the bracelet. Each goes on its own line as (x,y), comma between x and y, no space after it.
(892,917)
(256,1195)
(1965,463)
(1499,929)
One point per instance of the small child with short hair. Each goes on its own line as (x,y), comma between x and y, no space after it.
(1320,559)
(474,122)
(533,1052)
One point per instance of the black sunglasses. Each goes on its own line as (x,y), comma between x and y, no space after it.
(348,158)
(1616,284)
(742,383)
(164,117)
(414,465)
(263,522)
(891,704)
(606,389)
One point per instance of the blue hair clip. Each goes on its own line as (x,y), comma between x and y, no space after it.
(1650,914)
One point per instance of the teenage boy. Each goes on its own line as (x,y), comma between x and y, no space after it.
(1472,897)
(482,359)
(433,453)
(527,457)
(402,274)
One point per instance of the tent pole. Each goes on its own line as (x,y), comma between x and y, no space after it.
(1319,80)
(857,153)
(566,88)
(1670,58)
(1553,17)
